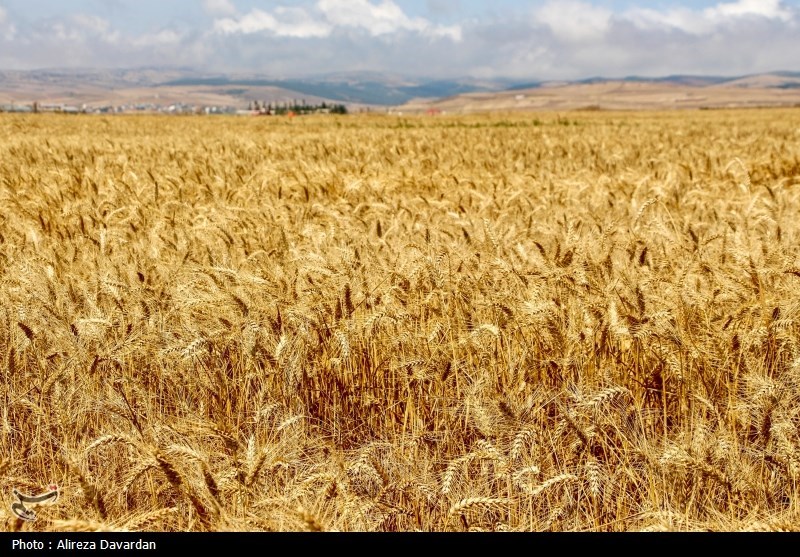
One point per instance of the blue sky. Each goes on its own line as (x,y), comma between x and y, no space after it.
(543,39)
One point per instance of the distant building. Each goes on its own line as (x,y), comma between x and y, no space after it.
(48,107)
(15,108)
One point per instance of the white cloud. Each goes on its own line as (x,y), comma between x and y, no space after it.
(80,28)
(772,9)
(556,39)
(219,7)
(573,20)
(95,26)
(165,37)
(384,18)
(683,19)
(700,22)
(285,22)
(7,30)
(380,19)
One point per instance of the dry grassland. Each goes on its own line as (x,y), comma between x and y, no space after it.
(373,323)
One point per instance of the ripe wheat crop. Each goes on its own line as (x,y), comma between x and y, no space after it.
(513,323)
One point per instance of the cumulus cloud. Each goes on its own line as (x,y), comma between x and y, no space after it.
(699,22)
(772,9)
(550,39)
(165,37)
(578,20)
(283,22)
(87,40)
(573,20)
(380,19)
(580,38)
(219,7)
(383,18)
(7,30)
(83,25)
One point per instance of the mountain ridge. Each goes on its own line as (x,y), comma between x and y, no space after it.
(357,89)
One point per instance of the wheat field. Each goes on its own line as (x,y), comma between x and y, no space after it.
(584,321)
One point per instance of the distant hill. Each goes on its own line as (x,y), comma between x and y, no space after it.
(630,93)
(376,89)
(188,86)
(367,89)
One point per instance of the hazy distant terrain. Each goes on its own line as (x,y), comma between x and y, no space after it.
(772,90)
(159,86)
(134,87)
(96,88)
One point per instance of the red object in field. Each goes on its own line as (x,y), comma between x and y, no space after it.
(291,114)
